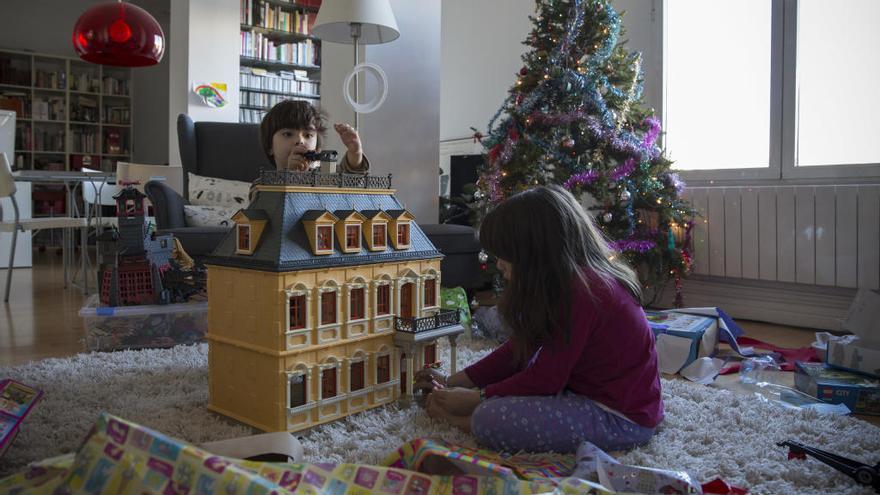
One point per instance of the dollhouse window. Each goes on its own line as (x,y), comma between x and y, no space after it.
(328,308)
(430,292)
(383,300)
(298,390)
(430,354)
(130,207)
(379,235)
(357,376)
(297,312)
(383,369)
(244,237)
(352,236)
(325,237)
(328,383)
(357,303)
(403,234)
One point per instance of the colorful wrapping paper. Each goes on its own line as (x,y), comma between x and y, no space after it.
(119,456)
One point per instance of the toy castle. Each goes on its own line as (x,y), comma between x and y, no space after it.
(323,301)
(134,259)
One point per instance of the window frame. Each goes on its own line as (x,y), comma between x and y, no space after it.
(408,230)
(300,369)
(238,229)
(318,246)
(349,237)
(782,164)
(384,235)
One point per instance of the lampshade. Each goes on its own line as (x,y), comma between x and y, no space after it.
(118,34)
(377,21)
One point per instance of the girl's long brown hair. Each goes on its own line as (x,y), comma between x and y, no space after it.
(551,244)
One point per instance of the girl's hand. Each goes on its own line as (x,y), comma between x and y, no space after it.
(456,401)
(429,379)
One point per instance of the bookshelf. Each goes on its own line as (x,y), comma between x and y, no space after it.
(69,114)
(279,58)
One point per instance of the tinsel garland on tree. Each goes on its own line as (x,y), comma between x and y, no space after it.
(574,117)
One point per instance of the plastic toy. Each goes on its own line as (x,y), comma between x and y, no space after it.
(864,474)
(133,258)
(322,301)
(321,156)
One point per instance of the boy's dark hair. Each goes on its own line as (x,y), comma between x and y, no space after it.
(291,114)
(552,245)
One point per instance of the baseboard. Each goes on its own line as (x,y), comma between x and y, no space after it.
(799,305)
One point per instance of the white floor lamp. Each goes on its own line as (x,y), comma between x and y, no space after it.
(360,22)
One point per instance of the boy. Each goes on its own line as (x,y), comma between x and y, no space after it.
(294,127)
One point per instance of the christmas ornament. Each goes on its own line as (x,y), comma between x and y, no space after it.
(483,257)
(607,217)
(625,195)
(568,142)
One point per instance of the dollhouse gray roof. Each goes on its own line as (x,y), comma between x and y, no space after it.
(395,213)
(284,245)
(253,214)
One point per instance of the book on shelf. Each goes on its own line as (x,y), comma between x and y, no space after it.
(259,46)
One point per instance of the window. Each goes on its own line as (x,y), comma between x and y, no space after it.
(430,292)
(130,207)
(297,312)
(776,65)
(244,237)
(328,307)
(357,303)
(379,235)
(325,238)
(383,299)
(357,376)
(352,236)
(430,354)
(403,234)
(298,391)
(328,383)
(383,369)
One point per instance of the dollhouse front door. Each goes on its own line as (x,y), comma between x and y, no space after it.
(406,300)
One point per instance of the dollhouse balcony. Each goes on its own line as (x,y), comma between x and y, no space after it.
(425,324)
(317,179)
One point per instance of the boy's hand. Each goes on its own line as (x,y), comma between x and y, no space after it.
(352,142)
(296,161)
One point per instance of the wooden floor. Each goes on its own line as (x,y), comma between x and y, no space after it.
(41,319)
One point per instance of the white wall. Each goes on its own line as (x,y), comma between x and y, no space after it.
(482,44)
(206,50)
(46,26)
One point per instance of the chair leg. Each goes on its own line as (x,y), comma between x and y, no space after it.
(11,262)
(84,241)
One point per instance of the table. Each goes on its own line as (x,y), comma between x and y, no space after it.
(72,180)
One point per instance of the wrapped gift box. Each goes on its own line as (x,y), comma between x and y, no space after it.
(863,353)
(858,392)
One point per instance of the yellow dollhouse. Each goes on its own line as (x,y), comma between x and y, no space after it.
(323,301)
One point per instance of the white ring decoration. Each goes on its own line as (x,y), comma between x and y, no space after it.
(375,103)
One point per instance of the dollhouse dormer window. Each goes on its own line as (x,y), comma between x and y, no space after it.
(379,235)
(243,237)
(403,235)
(324,234)
(352,237)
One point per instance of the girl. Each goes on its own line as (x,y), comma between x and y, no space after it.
(580,361)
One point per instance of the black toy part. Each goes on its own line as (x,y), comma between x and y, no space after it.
(321,156)
(863,474)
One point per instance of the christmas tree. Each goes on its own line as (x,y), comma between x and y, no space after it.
(574,117)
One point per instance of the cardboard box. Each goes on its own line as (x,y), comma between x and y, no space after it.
(858,392)
(863,320)
(146,326)
(682,338)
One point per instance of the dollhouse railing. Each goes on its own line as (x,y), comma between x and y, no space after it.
(444,318)
(317,179)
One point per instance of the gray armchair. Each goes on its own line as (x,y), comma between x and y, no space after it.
(223,150)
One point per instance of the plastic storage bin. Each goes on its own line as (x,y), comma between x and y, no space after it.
(141,327)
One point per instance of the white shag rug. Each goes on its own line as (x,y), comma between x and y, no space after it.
(707,432)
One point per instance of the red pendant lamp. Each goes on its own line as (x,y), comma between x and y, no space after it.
(118,34)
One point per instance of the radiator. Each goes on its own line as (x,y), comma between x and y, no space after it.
(814,235)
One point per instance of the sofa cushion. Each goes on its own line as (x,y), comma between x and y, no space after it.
(209,216)
(210,191)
